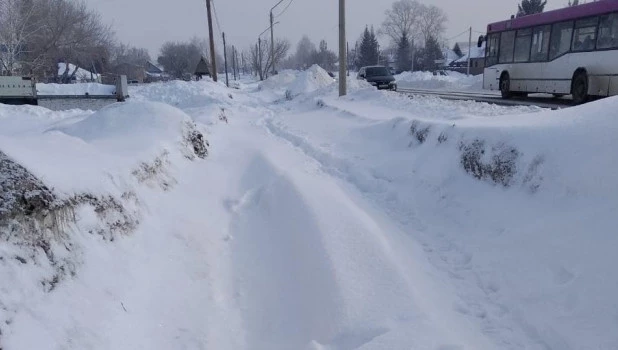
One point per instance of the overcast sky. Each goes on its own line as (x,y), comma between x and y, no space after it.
(149,23)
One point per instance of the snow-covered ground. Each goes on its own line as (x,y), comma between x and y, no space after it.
(453,81)
(373,221)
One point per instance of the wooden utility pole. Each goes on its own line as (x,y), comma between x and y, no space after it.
(227,82)
(213,60)
(234,61)
(272,42)
(347,57)
(469,49)
(342,53)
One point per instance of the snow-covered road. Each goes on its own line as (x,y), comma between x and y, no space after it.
(373,221)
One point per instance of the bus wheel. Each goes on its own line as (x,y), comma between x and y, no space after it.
(579,88)
(505,86)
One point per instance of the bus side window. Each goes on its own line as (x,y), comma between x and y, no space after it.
(608,32)
(584,37)
(492,49)
(560,41)
(507,45)
(540,44)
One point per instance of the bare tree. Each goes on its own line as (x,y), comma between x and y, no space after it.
(16,31)
(403,19)
(431,23)
(179,59)
(129,61)
(68,32)
(261,58)
(305,53)
(414,21)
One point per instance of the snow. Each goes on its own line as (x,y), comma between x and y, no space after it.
(371,221)
(75,89)
(297,83)
(452,81)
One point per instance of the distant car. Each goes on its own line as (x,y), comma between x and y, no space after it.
(378,76)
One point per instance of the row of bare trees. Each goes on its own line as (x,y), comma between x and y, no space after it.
(37,35)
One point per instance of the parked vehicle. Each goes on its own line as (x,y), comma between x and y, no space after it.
(378,76)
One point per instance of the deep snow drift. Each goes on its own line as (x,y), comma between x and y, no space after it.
(373,221)
(453,81)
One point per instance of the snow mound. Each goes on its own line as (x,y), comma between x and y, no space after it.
(135,127)
(517,209)
(283,78)
(312,79)
(426,80)
(75,89)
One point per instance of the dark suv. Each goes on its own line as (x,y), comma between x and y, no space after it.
(378,76)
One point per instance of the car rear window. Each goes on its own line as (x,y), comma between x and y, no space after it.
(377,71)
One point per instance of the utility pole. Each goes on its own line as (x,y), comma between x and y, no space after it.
(259,58)
(234,61)
(469,49)
(227,82)
(213,60)
(272,36)
(238,67)
(272,41)
(342,53)
(347,57)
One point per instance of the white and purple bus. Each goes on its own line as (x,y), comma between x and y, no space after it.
(573,51)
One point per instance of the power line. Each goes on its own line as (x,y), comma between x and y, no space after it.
(214,6)
(458,35)
(285,9)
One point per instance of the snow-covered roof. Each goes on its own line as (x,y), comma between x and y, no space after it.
(82,74)
(475,52)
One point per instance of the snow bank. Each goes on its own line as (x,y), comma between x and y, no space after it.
(312,79)
(452,81)
(283,78)
(517,211)
(205,101)
(295,83)
(70,184)
(75,89)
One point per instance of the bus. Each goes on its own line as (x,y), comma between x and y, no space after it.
(570,51)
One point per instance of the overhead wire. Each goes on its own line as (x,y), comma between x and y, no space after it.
(285,9)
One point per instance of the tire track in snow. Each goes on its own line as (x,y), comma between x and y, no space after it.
(443,254)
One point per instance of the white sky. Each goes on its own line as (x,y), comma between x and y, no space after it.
(149,23)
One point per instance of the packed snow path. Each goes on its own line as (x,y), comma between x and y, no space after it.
(322,223)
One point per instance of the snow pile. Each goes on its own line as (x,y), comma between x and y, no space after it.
(517,211)
(204,100)
(452,81)
(75,89)
(70,184)
(312,79)
(283,78)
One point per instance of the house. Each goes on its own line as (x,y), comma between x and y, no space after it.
(154,73)
(202,68)
(134,72)
(477,59)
